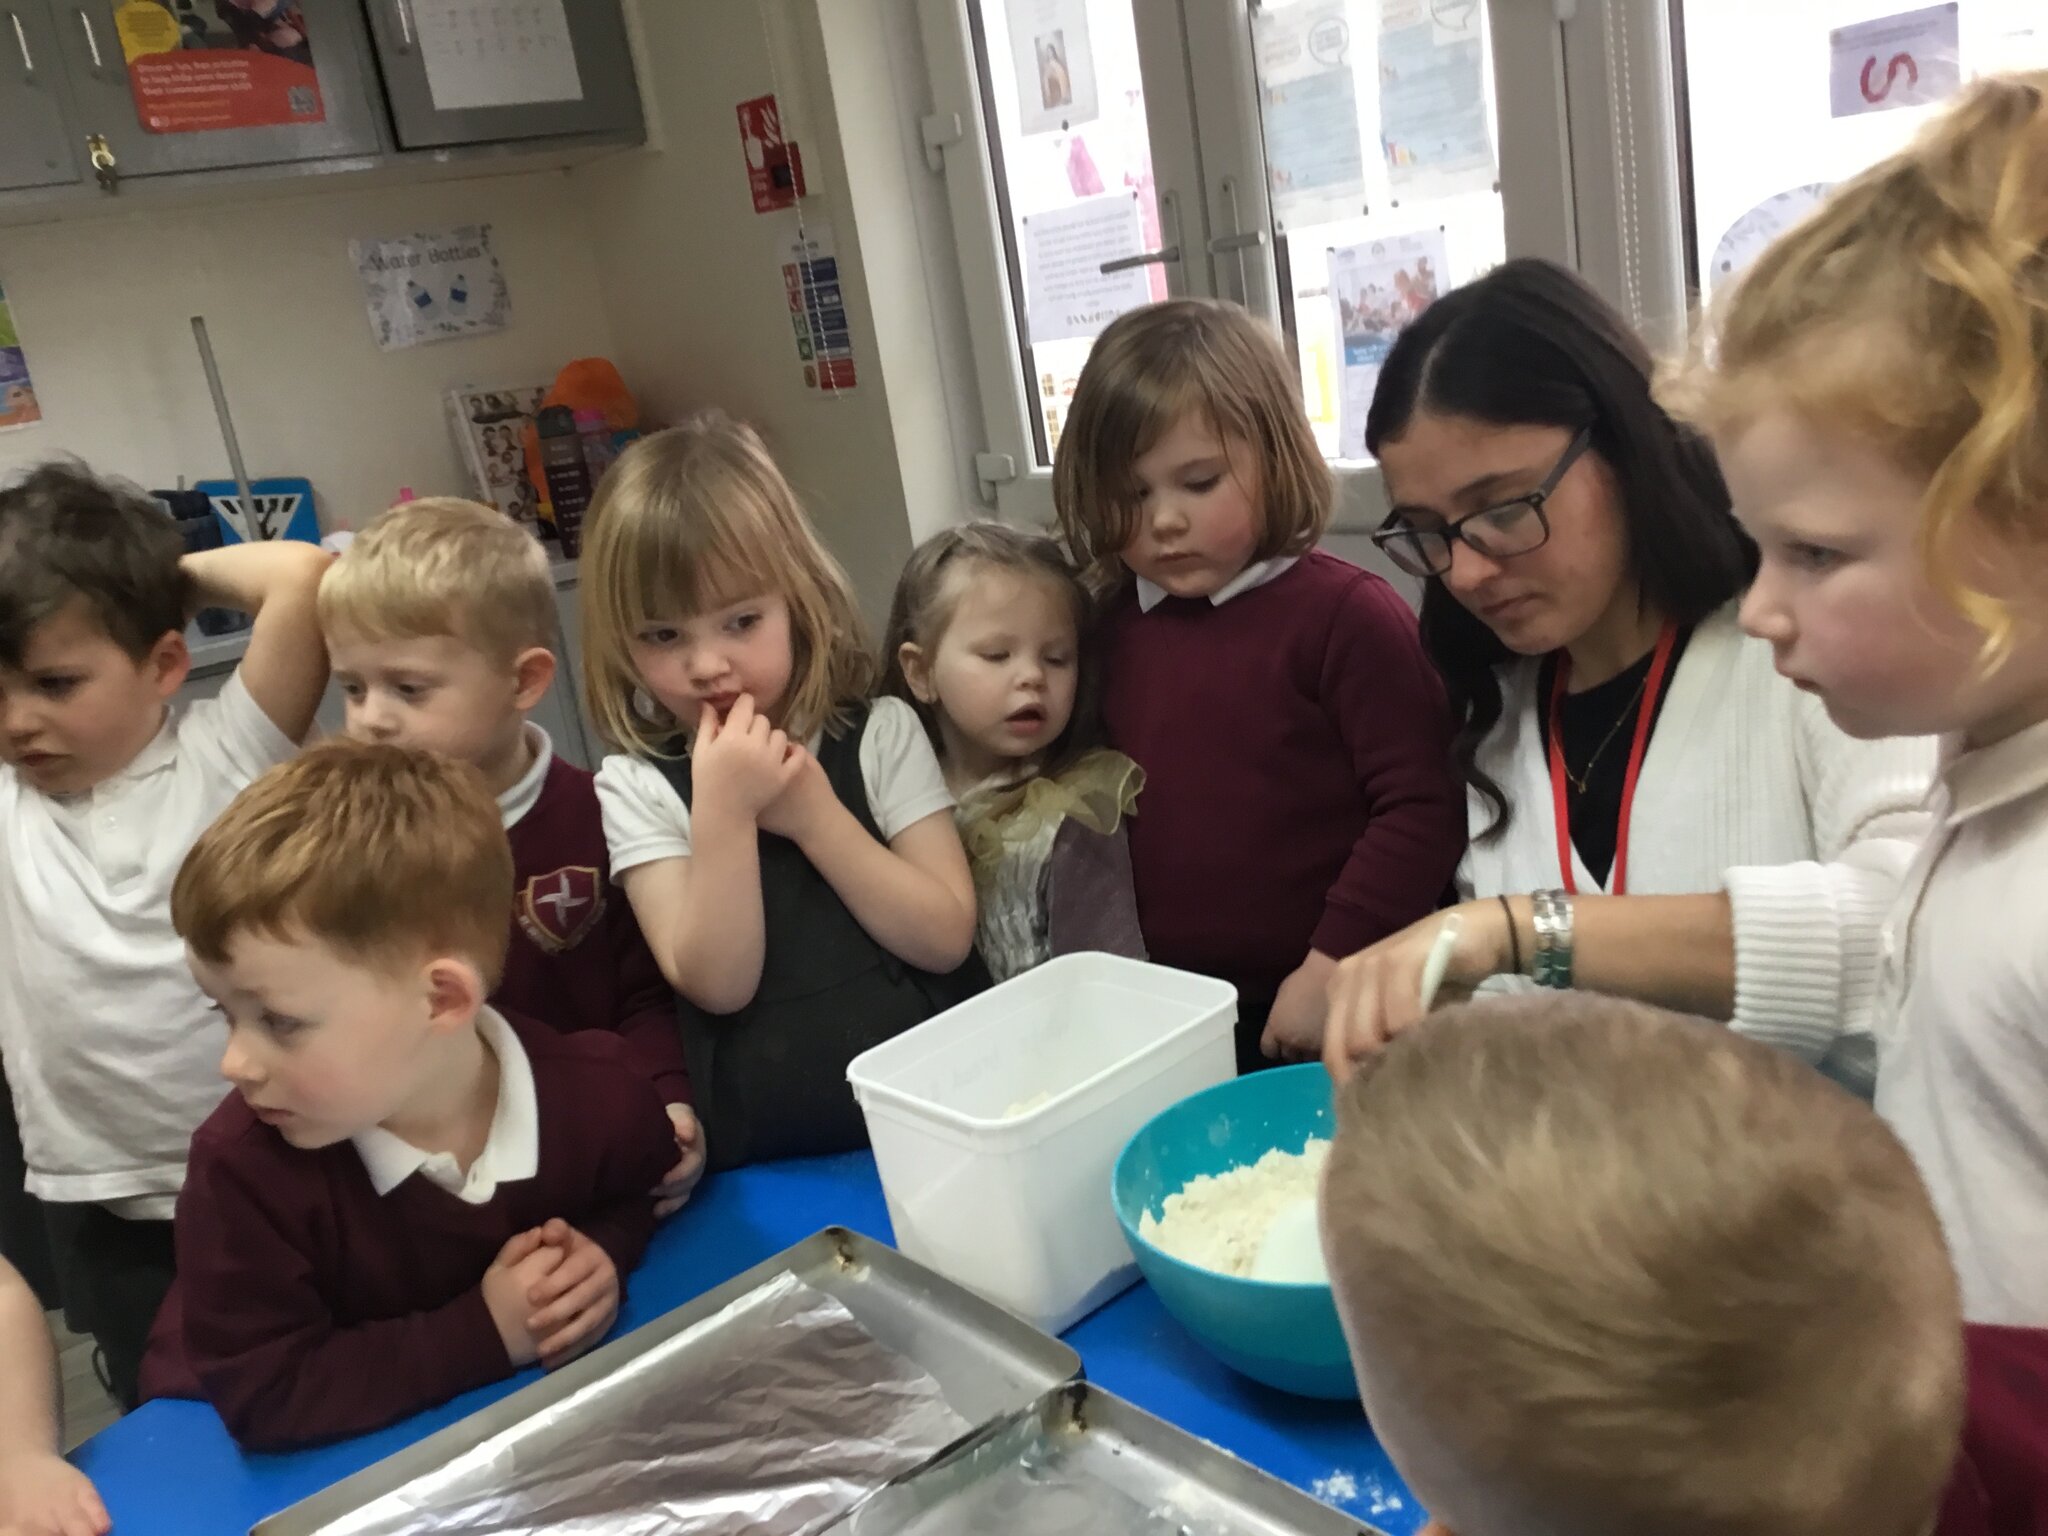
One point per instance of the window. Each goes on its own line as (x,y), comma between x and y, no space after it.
(1331,164)
(1763,141)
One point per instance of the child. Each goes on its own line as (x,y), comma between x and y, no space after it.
(103,790)
(40,1493)
(1877,387)
(1300,801)
(788,848)
(1604,1268)
(406,1196)
(439,619)
(989,639)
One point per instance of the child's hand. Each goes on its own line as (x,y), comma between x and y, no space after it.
(743,762)
(42,1494)
(519,1270)
(673,1192)
(575,1305)
(1294,1029)
(803,803)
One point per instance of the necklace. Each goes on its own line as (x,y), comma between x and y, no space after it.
(1580,778)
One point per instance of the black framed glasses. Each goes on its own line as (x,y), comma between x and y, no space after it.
(1499,533)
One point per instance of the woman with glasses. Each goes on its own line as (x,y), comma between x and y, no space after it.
(1654,811)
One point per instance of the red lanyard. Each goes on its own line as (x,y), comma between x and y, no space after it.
(1645,714)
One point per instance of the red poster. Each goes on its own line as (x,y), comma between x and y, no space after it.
(200,65)
(775,170)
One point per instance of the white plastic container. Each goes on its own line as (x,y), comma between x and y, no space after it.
(995,1124)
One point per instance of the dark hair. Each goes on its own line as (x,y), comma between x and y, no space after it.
(1531,344)
(926,599)
(66,534)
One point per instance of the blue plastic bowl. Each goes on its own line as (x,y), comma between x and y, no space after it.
(1286,1336)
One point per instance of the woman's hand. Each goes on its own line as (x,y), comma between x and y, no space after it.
(1377,993)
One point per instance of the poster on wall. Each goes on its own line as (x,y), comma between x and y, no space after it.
(197,66)
(432,287)
(1055,61)
(496,53)
(18,404)
(1376,290)
(817,306)
(1433,119)
(1308,102)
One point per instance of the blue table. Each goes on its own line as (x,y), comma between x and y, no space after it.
(170,1468)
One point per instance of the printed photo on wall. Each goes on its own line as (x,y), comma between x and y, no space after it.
(1054,61)
(200,65)
(18,404)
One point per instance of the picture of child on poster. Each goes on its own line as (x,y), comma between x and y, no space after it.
(197,66)
(1377,289)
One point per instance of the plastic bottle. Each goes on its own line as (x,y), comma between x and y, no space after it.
(567,475)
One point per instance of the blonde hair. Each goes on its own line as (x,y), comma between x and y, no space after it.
(443,566)
(1937,256)
(1149,370)
(383,853)
(1642,1274)
(691,519)
(928,595)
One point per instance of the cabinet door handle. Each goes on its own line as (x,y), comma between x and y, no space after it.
(92,41)
(28,60)
(405,37)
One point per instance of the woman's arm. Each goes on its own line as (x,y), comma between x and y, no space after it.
(1675,951)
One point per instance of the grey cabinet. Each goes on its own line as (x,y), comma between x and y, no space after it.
(35,142)
(107,107)
(492,71)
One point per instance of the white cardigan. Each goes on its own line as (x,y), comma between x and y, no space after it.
(1747,787)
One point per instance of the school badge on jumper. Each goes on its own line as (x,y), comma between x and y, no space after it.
(557,909)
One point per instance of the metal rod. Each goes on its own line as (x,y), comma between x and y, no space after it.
(28,60)
(404,8)
(1148,259)
(249,528)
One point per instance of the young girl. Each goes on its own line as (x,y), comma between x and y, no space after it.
(1878,388)
(988,637)
(788,849)
(1300,801)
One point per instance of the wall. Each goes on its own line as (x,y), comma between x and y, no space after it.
(104,306)
(693,276)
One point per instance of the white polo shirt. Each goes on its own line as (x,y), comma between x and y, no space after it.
(1962,1067)
(111,1050)
(511,1150)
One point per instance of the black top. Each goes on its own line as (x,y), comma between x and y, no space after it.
(1585,719)
(770,1080)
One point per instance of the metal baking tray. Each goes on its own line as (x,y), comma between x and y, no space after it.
(1082,1462)
(989,1364)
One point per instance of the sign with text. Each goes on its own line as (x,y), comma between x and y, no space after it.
(1909,60)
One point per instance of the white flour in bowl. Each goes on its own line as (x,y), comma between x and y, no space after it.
(1218,1220)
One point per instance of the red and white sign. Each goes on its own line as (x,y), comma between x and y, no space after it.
(1908,60)
(775,168)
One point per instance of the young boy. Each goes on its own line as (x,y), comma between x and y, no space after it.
(1606,1269)
(439,620)
(102,790)
(40,1493)
(406,1196)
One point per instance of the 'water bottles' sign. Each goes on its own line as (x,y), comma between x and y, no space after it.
(432,287)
